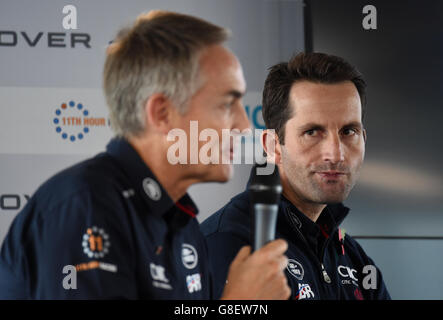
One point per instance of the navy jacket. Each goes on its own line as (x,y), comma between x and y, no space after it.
(323,262)
(105,228)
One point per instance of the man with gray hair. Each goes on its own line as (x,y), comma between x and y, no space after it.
(121,225)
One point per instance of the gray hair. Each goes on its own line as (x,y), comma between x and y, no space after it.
(158,54)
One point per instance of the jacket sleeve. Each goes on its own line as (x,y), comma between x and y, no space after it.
(222,248)
(79,249)
(226,232)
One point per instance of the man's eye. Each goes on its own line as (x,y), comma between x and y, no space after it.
(349,132)
(311,132)
(227,105)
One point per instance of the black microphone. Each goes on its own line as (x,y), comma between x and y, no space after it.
(264,193)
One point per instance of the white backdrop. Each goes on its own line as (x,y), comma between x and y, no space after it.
(50,89)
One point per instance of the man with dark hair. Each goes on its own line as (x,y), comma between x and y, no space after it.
(121,225)
(315,105)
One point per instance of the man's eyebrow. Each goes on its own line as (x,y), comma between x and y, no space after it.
(235,93)
(311,126)
(354,124)
(316,126)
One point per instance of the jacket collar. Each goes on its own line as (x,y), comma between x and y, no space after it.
(144,182)
(330,218)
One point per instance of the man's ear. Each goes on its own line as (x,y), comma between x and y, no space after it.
(364,135)
(158,112)
(271,146)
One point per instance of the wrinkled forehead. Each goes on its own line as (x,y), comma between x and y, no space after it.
(338,102)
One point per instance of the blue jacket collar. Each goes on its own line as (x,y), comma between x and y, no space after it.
(144,181)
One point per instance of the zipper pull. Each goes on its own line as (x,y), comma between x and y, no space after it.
(325,274)
(341,238)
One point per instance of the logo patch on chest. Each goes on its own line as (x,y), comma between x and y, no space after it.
(189,256)
(304,292)
(193,282)
(96,242)
(296,269)
(159,277)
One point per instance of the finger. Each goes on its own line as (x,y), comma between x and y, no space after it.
(286,293)
(242,255)
(277,289)
(283,262)
(280,291)
(274,248)
(271,270)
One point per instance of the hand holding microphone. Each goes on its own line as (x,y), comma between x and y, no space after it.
(260,275)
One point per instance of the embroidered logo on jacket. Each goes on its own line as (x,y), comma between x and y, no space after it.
(304,292)
(193,282)
(152,189)
(95,242)
(348,275)
(296,269)
(159,277)
(189,256)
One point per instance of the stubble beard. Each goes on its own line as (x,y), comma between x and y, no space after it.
(310,189)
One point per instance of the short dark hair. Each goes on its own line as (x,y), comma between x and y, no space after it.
(314,67)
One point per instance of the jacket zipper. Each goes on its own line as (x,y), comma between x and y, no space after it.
(320,264)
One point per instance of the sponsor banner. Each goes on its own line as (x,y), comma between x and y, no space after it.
(50,43)
(69,120)
(53,121)
(253,107)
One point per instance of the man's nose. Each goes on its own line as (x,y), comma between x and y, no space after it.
(333,149)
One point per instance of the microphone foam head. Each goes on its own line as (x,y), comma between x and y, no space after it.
(265,189)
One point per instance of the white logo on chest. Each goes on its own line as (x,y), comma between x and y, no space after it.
(189,256)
